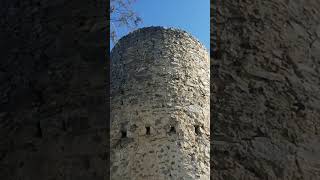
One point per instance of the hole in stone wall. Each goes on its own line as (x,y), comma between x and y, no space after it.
(172,129)
(64,125)
(39,132)
(123,134)
(197,129)
(147,130)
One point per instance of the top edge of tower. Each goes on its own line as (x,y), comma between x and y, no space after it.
(159,29)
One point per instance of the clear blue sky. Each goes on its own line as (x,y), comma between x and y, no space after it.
(192,16)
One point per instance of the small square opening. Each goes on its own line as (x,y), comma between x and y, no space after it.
(148,130)
(123,134)
(172,129)
(197,129)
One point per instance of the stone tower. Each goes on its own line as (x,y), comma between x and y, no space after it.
(160,106)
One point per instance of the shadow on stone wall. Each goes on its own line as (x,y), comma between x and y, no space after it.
(53,76)
(265,90)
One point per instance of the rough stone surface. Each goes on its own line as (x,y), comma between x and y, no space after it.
(53,90)
(265,90)
(159,106)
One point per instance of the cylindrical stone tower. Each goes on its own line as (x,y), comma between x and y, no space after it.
(160,108)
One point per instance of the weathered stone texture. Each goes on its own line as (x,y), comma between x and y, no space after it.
(265,90)
(53,90)
(159,106)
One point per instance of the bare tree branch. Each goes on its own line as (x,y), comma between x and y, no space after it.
(122,16)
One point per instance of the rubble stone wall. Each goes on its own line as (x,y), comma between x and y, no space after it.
(265,89)
(160,106)
(53,80)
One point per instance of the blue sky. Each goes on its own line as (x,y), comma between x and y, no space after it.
(192,16)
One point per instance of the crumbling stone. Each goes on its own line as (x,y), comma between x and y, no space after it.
(265,90)
(160,97)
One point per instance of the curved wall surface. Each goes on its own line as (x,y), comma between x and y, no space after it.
(160,106)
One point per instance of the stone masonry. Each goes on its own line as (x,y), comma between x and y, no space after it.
(265,89)
(160,106)
(53,100)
